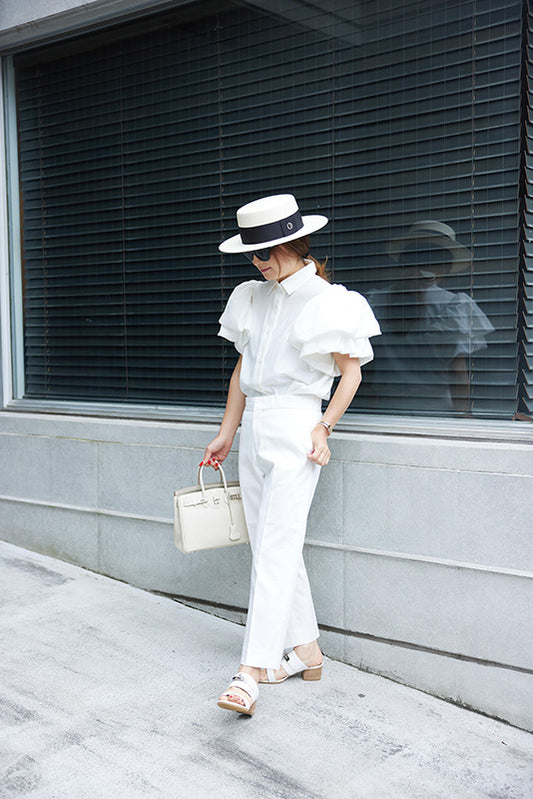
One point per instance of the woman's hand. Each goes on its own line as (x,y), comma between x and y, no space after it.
(218,449)
(320,453)
(220,446)
(350,370)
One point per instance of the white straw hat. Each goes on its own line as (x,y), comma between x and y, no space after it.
(434,233)
(270,221)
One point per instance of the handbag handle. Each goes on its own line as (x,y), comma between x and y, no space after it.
(228,501)
(201,479)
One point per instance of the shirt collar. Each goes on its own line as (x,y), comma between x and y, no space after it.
(298,278)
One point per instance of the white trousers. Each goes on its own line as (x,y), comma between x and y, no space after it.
(278,482)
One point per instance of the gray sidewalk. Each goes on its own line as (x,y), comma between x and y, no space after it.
(107,691)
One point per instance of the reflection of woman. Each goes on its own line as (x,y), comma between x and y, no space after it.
(428,331)
(294,333)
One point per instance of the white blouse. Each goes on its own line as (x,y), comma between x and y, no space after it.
(287,332)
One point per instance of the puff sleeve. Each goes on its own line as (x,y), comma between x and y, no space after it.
(464,325)
(337,320)
(236,320)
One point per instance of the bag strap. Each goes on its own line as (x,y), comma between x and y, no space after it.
(201,478)
(233,532)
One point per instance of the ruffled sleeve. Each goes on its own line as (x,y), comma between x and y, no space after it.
(236,321)
(337,320)
(465,325)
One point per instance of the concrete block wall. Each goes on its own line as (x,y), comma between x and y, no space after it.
(419,549)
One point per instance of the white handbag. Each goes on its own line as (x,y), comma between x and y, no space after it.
(209,516)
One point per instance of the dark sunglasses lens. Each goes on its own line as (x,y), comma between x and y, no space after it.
(263,255)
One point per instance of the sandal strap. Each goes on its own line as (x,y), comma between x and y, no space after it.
(245,682)
(292,663)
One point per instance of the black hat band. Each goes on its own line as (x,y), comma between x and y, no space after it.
(272,231)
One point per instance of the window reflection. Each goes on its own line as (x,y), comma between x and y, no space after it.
(429,333)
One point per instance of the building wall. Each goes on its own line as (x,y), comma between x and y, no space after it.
(419,547)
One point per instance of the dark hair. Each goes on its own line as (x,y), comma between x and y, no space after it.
(300,247)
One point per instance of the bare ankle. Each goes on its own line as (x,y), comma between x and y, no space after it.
(310,650)
(252,670)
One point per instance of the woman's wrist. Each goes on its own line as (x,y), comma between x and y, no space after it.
(323,428)
(229,426)
(227,435)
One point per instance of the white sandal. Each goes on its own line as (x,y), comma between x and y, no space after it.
(247,684)
(292,664)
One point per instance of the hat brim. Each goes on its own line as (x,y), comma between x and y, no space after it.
(461,256)
(310,225)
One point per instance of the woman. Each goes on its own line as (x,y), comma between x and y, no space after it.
(295,333)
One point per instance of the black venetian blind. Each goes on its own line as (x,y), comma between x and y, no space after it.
(138,144)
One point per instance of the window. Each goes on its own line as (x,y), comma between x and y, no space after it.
(400,120)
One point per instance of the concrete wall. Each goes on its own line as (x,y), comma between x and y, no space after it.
(418,548)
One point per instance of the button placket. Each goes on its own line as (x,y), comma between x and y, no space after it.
(270,323)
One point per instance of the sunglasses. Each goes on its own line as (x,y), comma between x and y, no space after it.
(263,255)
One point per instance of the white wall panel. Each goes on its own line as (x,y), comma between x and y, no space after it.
(407,562)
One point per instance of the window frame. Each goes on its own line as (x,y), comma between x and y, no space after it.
(12,312)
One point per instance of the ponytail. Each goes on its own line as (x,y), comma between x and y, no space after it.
(300,247)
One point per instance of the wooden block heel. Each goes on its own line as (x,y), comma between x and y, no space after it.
(314,673)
